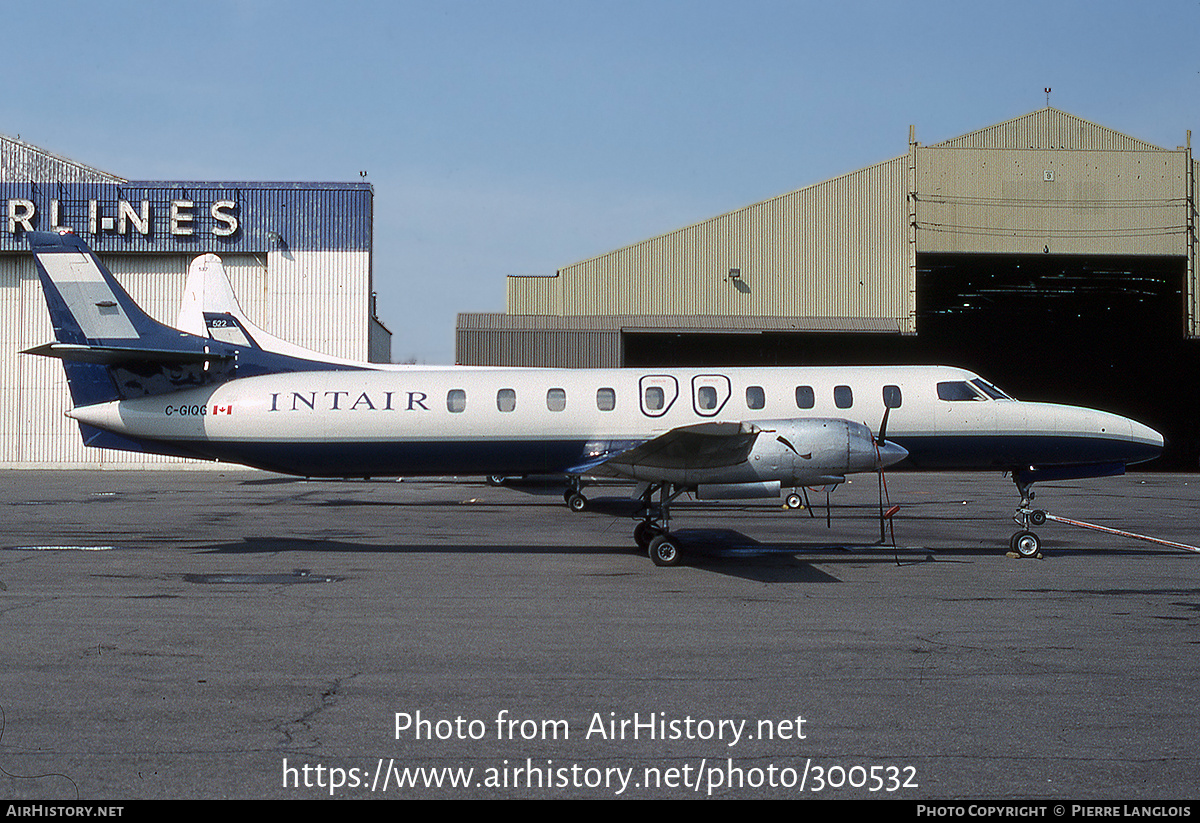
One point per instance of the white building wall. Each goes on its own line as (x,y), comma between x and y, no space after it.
(315,299)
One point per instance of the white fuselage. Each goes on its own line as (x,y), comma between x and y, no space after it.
(463,420)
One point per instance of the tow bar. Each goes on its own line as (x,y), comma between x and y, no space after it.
(1027,544)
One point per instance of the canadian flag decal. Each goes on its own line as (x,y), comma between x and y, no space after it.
(223,409)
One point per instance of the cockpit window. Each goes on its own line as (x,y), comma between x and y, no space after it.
(990,390)
(957,390)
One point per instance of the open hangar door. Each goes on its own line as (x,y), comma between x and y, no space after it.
(1103,332)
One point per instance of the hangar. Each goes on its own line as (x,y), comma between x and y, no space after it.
(298,254)
(1051,254)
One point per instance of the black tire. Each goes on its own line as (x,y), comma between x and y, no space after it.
(665,551)
(644,533)
(1026,544)
(576,502)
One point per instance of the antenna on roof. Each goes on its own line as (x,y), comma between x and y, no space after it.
(1047,97)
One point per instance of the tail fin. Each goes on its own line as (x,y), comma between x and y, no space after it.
(110,348)
(211,309)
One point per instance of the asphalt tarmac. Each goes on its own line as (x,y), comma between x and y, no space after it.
(199,634)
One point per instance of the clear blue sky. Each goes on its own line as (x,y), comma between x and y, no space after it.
(518,137)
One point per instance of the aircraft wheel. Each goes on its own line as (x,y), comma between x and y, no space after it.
(576,502)
(644,533)
(664,551)
(794,501)
(495,479)
(1026,544)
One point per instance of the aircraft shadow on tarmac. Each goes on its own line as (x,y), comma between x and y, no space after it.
(717,551)
(773,567)
(714,550)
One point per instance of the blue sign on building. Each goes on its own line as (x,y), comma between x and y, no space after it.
(192,217)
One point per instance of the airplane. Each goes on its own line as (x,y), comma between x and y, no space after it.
(221,388)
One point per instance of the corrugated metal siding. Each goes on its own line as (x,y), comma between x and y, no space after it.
(833,249)
(840,248)
(684,272)
(594,341)
(585,349)
(316,299)
(336,288)
(12,310)
(536,294)
(21,162)
(1047,129)
(493,321)
(842,252)
(286,217)
(1094,202)
(39,432)
(299,262)
(836,249)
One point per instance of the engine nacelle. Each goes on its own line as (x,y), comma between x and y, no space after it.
(811,451)
(793,452)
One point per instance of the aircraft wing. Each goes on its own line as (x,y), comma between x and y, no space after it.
(681,450)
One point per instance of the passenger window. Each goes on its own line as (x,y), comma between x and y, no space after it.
(656,398)
(556,400)
(456,400)
(805,399)
(506,400)
(756,398)
(706,398)
(956,390)
(843,397)
(891,397)
(606,399)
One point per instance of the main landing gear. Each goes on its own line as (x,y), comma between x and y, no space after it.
(653,534)
(1024,542)
(573,496)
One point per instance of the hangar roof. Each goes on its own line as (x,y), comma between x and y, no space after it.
(1047,128)
(21,162)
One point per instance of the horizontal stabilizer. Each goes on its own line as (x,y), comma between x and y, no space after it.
(116,355)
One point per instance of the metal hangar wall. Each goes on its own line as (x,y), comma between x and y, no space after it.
(298,255)
(1053,254)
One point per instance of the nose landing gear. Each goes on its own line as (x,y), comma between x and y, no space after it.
(1025,543)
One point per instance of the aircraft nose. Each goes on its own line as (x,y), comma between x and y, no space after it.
(1106,437)
(1147,442)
